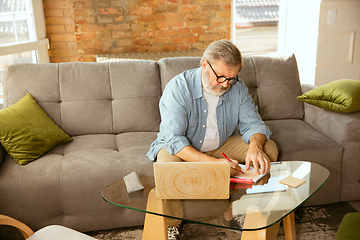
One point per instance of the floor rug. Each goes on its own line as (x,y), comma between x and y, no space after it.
(319,222)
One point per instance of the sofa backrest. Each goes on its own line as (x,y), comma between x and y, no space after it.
(273,82)
(170,67)
(91,98)
(116,97)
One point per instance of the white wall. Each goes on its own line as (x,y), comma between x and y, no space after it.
(298,34)
(338,54)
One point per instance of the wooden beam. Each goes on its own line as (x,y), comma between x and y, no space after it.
(192,180)
(289,226)
(155,226)
(255,218)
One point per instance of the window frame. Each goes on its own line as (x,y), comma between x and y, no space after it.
(38,44)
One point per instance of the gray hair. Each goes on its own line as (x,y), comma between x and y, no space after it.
(225,51)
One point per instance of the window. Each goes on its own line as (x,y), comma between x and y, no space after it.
(255,25)
(283,26)
(22,34)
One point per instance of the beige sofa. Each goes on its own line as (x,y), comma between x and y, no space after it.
(111,111)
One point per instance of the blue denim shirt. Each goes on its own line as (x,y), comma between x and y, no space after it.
(183,111)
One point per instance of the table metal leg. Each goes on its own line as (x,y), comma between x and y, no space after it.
(155,226)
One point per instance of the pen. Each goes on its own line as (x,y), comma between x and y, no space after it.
(230,161)
(240,180)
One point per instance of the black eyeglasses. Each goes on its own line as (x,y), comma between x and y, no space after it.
(221,79)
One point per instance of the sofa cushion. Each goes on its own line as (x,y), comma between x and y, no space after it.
(104,157)
(276,86)
(91,98)
(170,67)
(23,78)
(86,99)
(135,85)
(27,132)
(338,96)
(248,76)
(31,193)
(133,147)
(75,174)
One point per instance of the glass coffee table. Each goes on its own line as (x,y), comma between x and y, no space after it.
(256,209)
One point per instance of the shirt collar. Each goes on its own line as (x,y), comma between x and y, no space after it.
(198,86)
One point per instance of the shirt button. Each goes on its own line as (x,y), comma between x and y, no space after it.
(200,141)
(203,125)
(204,110)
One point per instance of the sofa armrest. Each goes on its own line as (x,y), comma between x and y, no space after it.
(341,127)
(2,154)
(306,87)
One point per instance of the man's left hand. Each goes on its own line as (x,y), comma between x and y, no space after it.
(257,156)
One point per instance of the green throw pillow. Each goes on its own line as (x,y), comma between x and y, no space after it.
(27,132)
(338,96)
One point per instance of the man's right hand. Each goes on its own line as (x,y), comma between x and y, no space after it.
(190,154)
(234,167)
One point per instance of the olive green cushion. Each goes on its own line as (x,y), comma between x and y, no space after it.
(349,227)
(27,132)
(338,96)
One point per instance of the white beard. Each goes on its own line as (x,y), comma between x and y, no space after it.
(216,90)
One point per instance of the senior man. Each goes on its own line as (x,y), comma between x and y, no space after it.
(201,110)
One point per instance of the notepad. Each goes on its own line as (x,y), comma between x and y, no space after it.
(250,174)
(132,183)
(292,181)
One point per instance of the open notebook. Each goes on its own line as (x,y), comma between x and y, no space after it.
(250,174)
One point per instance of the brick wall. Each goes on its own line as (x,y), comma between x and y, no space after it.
(80,29)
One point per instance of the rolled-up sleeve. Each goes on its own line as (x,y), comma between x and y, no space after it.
(250,121)
(174,122)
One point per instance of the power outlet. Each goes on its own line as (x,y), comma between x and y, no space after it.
(331,16)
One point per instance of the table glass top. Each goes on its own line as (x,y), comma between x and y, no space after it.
(267,201)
